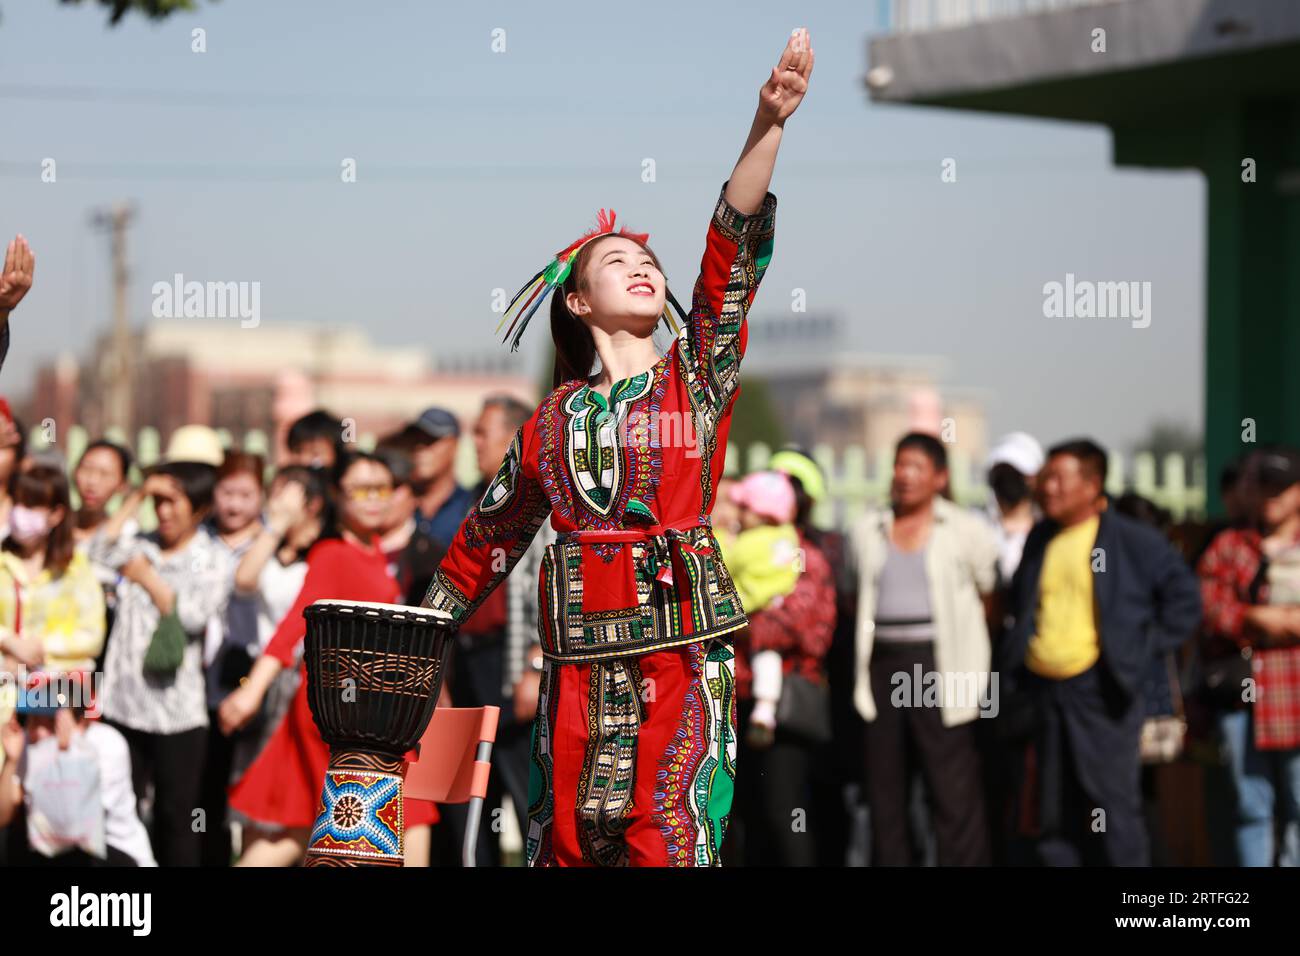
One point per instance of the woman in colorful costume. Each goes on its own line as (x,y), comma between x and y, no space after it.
(633,752)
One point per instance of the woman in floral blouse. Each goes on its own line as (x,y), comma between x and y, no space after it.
(177,569)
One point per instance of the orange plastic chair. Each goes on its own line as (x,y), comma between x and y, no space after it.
(455,758)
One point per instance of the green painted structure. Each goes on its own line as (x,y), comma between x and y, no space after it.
(1211,85)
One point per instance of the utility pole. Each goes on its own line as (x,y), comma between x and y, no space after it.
(115,367)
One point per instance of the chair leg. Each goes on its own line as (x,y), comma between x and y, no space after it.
(474,813)
(474,810)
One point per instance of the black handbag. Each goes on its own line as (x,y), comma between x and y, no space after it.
(804,708)
(1223,679)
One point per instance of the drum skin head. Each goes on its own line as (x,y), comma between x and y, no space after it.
(422,613)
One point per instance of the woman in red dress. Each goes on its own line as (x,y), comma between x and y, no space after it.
(282,787)
(633,754)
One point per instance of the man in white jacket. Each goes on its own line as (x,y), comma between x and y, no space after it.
(923,655)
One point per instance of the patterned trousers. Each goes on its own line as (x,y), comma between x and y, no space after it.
(634,760)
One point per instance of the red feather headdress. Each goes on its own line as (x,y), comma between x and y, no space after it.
(546,280)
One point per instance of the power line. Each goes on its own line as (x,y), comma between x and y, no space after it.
(236,99)
(395,173)
(577,102)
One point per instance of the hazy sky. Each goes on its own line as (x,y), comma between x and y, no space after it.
(474,165)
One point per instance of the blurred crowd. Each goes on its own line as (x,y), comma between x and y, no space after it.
(153,703)
(1023,684)
(932,684)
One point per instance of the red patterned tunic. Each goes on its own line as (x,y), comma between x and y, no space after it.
(636,715)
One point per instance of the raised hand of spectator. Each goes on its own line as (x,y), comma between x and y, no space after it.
(16,277)
(9,436)
(12,740)
(130,506)
(158,484)
(286,507)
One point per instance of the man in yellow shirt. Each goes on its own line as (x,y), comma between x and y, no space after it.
(1066,643)
(1096,597)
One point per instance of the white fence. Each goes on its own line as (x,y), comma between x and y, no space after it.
(856,481)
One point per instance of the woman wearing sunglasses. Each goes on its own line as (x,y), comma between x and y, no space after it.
(281,790)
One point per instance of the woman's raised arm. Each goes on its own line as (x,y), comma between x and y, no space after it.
(738,245)
(779,97)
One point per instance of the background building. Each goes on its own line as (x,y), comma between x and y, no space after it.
(261,379)
(826,390)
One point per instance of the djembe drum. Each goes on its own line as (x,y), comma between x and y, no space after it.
(373,676)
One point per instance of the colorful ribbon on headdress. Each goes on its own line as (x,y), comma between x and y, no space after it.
(545,282)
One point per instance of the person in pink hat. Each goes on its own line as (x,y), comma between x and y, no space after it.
(764,564)
(764,551)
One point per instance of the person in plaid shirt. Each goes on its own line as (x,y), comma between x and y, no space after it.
(1251,592)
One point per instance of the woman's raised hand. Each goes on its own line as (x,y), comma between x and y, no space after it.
(157,484)
(16,274)
(286,507)
(784,89)
(12,740)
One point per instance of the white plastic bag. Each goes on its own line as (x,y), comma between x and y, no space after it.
(65,810)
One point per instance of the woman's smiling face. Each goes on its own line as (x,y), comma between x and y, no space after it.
(622,282)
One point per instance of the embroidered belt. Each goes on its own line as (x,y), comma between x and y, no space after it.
(600,602)
(660,538)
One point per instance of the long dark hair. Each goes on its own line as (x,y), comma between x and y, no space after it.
(44,486)
(575,349)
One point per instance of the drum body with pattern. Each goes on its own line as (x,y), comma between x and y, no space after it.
(373,676)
